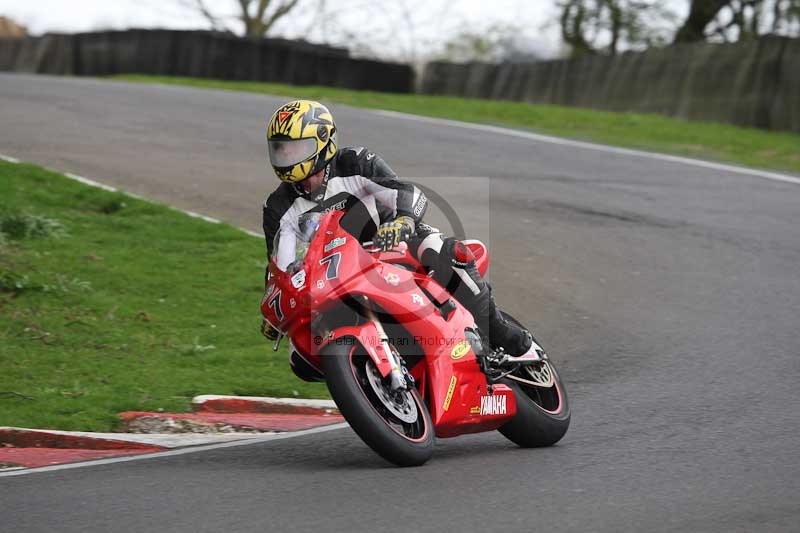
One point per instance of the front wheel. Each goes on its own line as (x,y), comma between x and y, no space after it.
(396,425)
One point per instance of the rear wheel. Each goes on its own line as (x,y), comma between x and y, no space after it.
(543,412)
(396,425)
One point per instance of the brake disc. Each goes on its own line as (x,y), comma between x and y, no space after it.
(401,403)
(539,375)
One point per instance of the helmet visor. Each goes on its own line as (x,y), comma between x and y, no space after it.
(287,153)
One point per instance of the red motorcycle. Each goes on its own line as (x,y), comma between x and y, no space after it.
(402,359)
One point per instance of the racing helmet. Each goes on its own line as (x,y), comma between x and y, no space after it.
(301,136)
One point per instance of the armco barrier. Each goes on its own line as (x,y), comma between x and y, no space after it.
(201,54)
(752,83)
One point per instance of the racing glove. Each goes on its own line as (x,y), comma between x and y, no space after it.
(268,331)
(391,234)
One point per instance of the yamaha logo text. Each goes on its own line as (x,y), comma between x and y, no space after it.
(493,405)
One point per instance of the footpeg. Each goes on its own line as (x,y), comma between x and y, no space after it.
(498,358)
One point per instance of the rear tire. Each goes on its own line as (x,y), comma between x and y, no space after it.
(543,414)
(352,377)
(533,426)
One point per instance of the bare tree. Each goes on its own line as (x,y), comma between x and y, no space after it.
(740,22)
(732,20)
(575,16)
(497,42)
(701,13)
(608,26)
(786,18)
(400,30)
(256,16)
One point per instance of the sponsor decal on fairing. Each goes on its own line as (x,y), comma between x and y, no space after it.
(299,279)
(493,405)
(392,279)
(450,390)
(460,350)
(335,243)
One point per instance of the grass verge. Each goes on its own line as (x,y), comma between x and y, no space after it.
(658,133)
(109,303)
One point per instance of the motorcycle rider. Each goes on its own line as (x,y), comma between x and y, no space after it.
(317,175)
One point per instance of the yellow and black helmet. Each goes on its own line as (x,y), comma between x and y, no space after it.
(302,139)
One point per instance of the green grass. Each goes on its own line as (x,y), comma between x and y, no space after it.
(109,303)
(717,142)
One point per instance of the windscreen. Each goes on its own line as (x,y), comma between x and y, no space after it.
(292,241)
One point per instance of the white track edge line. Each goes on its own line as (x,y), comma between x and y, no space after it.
(99,185)
(92,183)
(212,220)
(775,176)
(170,453)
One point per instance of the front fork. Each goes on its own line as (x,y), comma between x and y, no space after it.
(399,378)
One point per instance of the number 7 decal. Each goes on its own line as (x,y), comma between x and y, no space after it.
(275,302)
(332,261)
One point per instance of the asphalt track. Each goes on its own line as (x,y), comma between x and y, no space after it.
(668,293)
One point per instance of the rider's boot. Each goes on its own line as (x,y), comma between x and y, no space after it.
(514,340)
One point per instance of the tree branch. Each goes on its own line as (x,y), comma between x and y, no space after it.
(282,10)
(701,14)
(247,20)
(215,22)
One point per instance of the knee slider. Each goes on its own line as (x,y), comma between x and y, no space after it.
(458,253)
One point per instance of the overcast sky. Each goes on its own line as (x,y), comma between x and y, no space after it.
(425,24)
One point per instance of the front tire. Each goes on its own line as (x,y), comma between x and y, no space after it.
(396,426)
